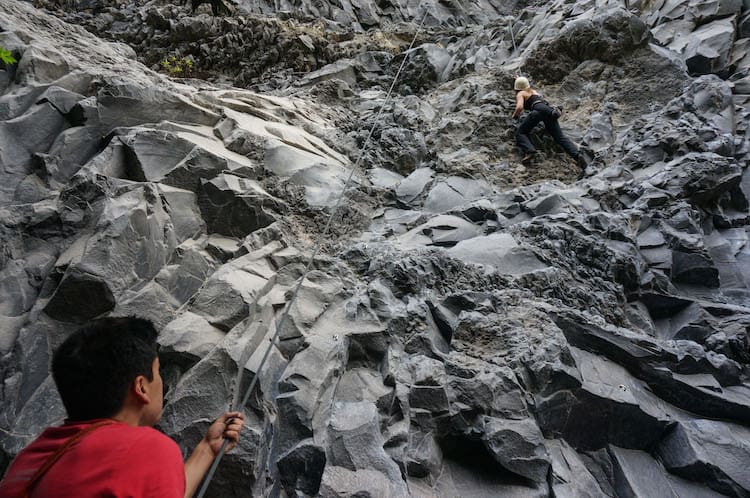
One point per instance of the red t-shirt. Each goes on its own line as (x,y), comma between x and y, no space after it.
(115,460)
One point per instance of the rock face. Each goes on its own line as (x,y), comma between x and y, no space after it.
(470,326)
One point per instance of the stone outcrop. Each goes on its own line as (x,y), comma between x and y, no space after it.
(469,326)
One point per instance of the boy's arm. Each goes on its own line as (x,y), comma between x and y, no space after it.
(227,426)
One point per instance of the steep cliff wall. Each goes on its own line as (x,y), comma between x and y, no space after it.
(472,326)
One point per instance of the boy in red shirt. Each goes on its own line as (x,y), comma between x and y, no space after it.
(107,375)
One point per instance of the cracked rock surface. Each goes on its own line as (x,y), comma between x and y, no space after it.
(470,326)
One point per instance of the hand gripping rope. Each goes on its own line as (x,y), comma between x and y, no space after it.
(282,319)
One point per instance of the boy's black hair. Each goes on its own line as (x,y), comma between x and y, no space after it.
(94,367)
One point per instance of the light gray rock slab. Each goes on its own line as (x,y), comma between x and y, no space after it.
(453,192)
(340,481)
(499,252)
(323,183)
(343,69)
(190,336)
(226,297)
(384,178)
(182,206)
(709,47)
(442,230)
(414,184)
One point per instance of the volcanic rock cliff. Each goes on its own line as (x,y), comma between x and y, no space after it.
(471,326)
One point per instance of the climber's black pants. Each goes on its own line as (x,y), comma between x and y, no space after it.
(543,112)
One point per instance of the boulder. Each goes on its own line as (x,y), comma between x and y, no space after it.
(306,391)
(709,47)
(188,338)
(607,37)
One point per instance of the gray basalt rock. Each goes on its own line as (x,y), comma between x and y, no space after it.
(228,295)
(637,473)
(341,481)
(518,446)
(80,297)
(355,442)
(570,477)
(626,412)
(711,452)
(237,206)
(498,252)
(606,37)
(302,467)
(469,326)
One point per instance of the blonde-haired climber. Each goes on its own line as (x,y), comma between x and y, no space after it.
(539,111)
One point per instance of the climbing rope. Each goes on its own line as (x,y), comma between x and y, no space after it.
(515,48)
(282,319)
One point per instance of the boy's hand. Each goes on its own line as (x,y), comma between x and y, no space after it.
(227,426)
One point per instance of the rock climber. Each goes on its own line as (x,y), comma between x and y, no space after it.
(539,111)
(108,378)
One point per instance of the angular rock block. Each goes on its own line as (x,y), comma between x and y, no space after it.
(611,407)
(17,294)
(497,252)
(454,192)
(226,298)
(186,272)
(443,230)
(414,185)
(709,47)
(132,103)
(340,481)
(711,452)
(636,473)
(188,338)
(236,206)
(694,269)
(306,390)
(355,442)
(570,477)
(79,297)
(518,446)
(301,469)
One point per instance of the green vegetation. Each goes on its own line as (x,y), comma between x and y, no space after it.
(178,67)
(6,57)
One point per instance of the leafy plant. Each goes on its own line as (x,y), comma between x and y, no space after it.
(181,67)
(6,57)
